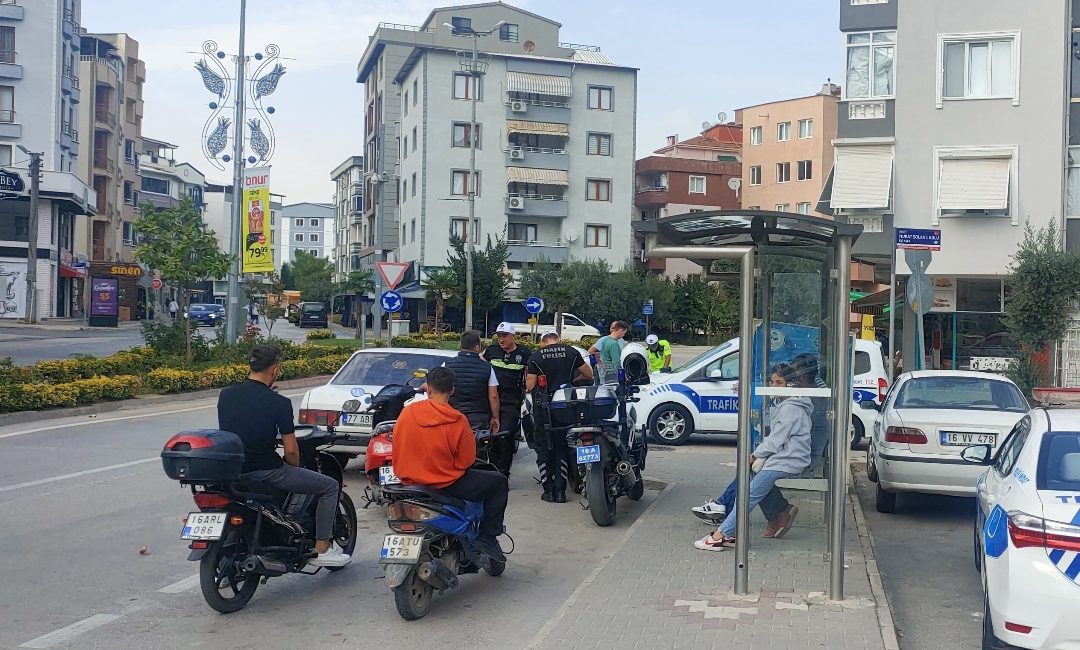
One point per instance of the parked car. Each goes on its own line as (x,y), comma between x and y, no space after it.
(926,421)
(1027,532)
(312,314)
(573,328)
(366,371)
(205,314)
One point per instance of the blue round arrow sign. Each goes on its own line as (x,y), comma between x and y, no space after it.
(391,301)
(534,305)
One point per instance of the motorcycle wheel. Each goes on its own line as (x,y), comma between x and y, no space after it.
(225,585)
(601,500)
(345,527)
(413,597)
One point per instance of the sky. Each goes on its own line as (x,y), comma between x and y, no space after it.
(696,58)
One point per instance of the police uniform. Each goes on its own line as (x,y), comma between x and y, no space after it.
(510,371)
(557,363)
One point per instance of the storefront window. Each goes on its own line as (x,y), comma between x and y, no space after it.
(978,295)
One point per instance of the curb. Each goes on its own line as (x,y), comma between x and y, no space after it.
(881,600)
(140,402)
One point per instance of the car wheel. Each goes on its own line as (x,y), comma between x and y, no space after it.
(670,424)
(885,501)
(857,432)
(977,546)
(871,465)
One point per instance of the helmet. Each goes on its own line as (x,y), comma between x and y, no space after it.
(652,339)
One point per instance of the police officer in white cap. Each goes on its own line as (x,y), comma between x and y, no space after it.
(508,359)
(659,354)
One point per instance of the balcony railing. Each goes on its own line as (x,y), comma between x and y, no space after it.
(406,28)
(105,117)
(578,46)
(68,72)
(540,244)
(512,147)
(7,116)
(661,188)
(7,56)
(9,2)
(538,197)
(69,130)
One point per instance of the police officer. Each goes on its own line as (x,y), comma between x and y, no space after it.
(659,354)
(508,360)
(558,364)
(476,390)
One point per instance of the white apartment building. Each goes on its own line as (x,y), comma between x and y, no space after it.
(555,135)
(307,227)
(349,220)
(39,98)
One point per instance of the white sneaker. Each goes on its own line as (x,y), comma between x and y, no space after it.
(332,558)
(710,511)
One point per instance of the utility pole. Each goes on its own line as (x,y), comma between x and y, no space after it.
(232,319)
(32,239)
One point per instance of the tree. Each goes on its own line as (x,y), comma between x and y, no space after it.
(177,243)
(274,308)
(490,278)
(557,285)
(357,283)
(704,307)
(441,285)
(287,279)
(1038,310)
(312,277)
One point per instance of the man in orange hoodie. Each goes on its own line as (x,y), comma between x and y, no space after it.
(434,446)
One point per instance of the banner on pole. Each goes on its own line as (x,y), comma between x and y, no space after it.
(256,256)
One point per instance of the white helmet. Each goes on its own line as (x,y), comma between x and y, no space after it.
(652,339)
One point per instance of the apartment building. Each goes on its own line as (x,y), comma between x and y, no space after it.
(307,227)
(787,151)
(952,119)
(554,134)
(349,221)
(39,98)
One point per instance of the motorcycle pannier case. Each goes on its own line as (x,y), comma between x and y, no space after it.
(571,406)
(206,456)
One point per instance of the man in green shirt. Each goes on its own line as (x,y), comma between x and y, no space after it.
(610,350)
(659,354)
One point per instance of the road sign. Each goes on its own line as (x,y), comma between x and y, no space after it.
(918,239)
(647,307)
(391,302)
(534,305)
(156,283)
(392,272)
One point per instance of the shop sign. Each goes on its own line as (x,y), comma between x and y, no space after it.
(944,294)
(11,183)
(991,364)
(126,270)
(104,297)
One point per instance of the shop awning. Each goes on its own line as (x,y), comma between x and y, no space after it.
(537,176)
(862,177)
(539,128)
(538,84)
(973,184)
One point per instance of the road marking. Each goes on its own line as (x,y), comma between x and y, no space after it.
(68,633)
(85,472)
(180,586)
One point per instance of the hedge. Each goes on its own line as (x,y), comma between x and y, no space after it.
(34,396)
(430,341)
(320,335)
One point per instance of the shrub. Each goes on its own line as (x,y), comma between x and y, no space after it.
(173,380)
(328,365)
(31,397)
(96,389)
(221,376)
(320,335)
(168,340)
(413,341)
(294,368)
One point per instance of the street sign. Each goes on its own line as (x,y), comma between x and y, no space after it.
(391,302)
(647,308)
(392,273)
(534,305)
(918,239)
(156,283)
(11,184)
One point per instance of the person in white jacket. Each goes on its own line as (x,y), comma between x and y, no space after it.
(783,453)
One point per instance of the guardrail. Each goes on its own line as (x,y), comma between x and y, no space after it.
(537,197)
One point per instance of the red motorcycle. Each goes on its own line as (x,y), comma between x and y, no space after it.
(385,408)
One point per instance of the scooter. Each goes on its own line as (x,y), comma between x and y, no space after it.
(385,407)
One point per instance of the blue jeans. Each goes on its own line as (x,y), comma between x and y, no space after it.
(772,506)
(760,487)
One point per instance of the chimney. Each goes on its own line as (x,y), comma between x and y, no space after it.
(672,140)
(830,89)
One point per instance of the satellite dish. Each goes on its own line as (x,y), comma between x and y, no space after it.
(571,236)
(705,125)
(734,184)
(722,116)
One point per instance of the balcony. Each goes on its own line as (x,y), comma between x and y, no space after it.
(656,195)
(70,27)
(537,157)
(356,248)
(69,83)
(537,205)
(102,161)
(10,10)
(105,117)
(357,219)
(8,68)
(69,136)
(534,251)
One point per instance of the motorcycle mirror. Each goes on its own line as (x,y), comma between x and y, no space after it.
(351,406)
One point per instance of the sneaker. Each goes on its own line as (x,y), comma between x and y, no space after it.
(711,511)
(332,558)
(785,520)
(707,543)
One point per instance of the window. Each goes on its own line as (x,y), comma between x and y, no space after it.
(413,184)
(404,190)
(805,170)
(461,25)
(869,66)
(415,91)
(415,139)
(806,129)
(508,32)
(598,190)
(600,98)
(313,237)
(405,148)
(7,45)
(804,208)
(314,223)
(855,3)
(521,232)
(459,229)
(460,185)
(299,223)
(405,104)
(974,181)
(597,236)
(783,131)
(977,67)
(5,155)
(466,86)
(412,231)
(783,172)
(315,252)
(129,151)
(755,135)
(462,135)
(7,103)
(298,237)
(697,184)
(723,368)
(755,175)
(599,144)
(782,207)
(155,185)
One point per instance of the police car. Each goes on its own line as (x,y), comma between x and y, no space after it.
(1027,533)
(702,396)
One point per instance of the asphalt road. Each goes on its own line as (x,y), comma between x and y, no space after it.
(79,498)
(925,557)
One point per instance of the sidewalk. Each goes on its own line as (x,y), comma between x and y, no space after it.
(658,591)
(64,325)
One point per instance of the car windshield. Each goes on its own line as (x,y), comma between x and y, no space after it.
(382,368)
(313,307)
(200,308)
(704,355)
(1059,462)
(977,393)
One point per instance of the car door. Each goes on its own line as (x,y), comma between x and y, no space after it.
(717,387)
(996,484)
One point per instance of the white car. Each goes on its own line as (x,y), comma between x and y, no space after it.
(1027,533)
(573,328)
(702,396)
(928,418)
(366,372)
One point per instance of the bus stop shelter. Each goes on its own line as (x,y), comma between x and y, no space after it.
(793,274)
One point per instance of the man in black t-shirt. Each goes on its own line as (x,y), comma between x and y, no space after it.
(508,360)
(258,415)
(558,364)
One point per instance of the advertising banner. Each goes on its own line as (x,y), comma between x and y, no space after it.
(256,256)
(104,297)
(12,288)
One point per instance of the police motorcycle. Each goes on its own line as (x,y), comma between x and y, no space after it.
(599,427)
(246,533)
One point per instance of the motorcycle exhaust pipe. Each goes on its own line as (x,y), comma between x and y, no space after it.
(437,575)
(623,468)
(264,566)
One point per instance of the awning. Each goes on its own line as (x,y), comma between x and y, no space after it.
(862,177)
(537,176)
(71,272)
(539,128)
(538,84)
(973,184)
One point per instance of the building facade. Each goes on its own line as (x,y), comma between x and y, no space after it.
(307,227)
(555,136)
(350,223)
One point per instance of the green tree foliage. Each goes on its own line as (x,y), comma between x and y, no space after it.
(287,279)
(703,308)
(441,285)
(490,279)
(312,277)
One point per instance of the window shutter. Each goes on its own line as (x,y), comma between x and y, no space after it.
(605,145)
(974,184)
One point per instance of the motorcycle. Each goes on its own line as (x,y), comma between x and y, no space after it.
(385,407)
(245,533)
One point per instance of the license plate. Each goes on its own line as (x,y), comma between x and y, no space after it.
(589,454)
(387,476)
(961,439)
(357,419)
(203,526)
(401,549)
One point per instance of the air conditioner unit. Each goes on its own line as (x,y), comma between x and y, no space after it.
(518,106)
(516,203)
(517,154)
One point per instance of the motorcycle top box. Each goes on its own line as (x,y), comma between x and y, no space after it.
(570,406)
(204,456)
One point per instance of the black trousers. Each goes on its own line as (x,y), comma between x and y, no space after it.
(486,486)
(552,458)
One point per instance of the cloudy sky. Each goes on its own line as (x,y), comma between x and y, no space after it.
(696,58)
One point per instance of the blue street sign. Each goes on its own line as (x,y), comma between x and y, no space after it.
(534,305)
(391,301)
(918,239)
(647,308)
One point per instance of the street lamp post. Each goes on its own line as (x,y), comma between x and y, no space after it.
(31,240)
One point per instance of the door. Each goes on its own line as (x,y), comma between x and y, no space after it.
(717,388)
